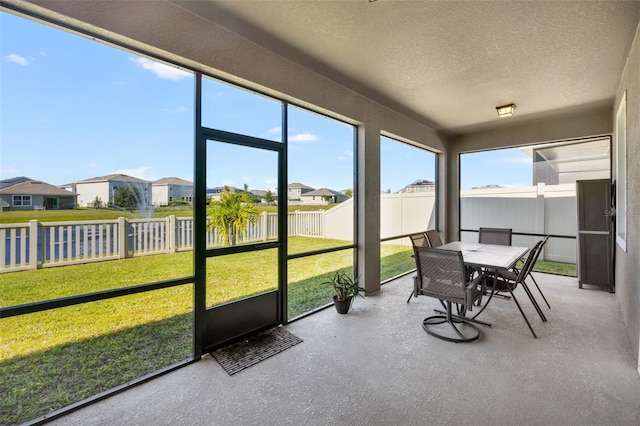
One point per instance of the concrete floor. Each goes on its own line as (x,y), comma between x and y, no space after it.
(376,366)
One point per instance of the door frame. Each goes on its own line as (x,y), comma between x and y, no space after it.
(203,342)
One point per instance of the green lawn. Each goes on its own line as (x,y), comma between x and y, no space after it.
(97,214)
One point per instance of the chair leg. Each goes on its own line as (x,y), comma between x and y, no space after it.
(534,302)
(522,312)
(493,292)
(541,294)
(429,323)
(414,293)
(465,318)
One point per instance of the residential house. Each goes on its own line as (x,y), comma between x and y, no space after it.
(166,190)
(102,189)
(213,194)
(260,194)
(323,196)
(23,193)
(420,185)
(296,190)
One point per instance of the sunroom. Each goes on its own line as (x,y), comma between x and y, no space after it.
(347,95)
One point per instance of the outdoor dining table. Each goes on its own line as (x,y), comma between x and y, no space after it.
(490,258)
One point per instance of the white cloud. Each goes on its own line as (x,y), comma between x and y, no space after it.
(17,59)
(160,70)
(9,170)
(229,182)
(175,110)
(514,160)
(274,134)
(140,172)
(303,138)
(93,165)
(347,155)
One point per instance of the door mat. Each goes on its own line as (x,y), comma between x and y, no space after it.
(244,354)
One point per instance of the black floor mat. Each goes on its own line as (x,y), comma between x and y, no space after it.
(237,357)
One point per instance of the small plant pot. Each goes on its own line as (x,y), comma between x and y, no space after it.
(342,306)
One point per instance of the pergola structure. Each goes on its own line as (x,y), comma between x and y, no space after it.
(431,73)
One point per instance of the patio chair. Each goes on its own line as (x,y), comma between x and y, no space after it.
(508,281)
(434,238)
(441,275)
(417,240)
(542,243)
(501,236)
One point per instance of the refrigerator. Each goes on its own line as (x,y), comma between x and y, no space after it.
(595,233)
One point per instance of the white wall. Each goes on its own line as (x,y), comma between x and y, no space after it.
(87,192)
(159,195)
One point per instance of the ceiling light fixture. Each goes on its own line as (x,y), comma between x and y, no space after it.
(506,110)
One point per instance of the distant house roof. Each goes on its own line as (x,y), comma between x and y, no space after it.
(172,181)
(422,182)
(12,181)
(219,189)
(117,177)
(419,183)
(36,187)
(299,185)
(321,192)
(487,187)
(258,192)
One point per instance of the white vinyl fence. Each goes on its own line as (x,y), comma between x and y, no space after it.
(542,209)
(37,244)
(535,210)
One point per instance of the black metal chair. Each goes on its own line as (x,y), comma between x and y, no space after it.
(441,274)
(507,281)
(501,236)
(417,240)
(434,238)
(542,243)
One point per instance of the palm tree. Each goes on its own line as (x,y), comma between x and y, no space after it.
(232,214)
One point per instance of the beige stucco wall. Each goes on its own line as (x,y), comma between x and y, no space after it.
(628,263)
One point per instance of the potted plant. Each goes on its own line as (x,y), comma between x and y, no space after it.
(345,288)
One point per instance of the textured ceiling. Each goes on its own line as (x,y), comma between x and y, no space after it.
(450,63)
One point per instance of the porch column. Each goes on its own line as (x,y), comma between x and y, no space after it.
(368,207)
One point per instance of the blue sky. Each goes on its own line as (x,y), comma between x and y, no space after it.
(72,109)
